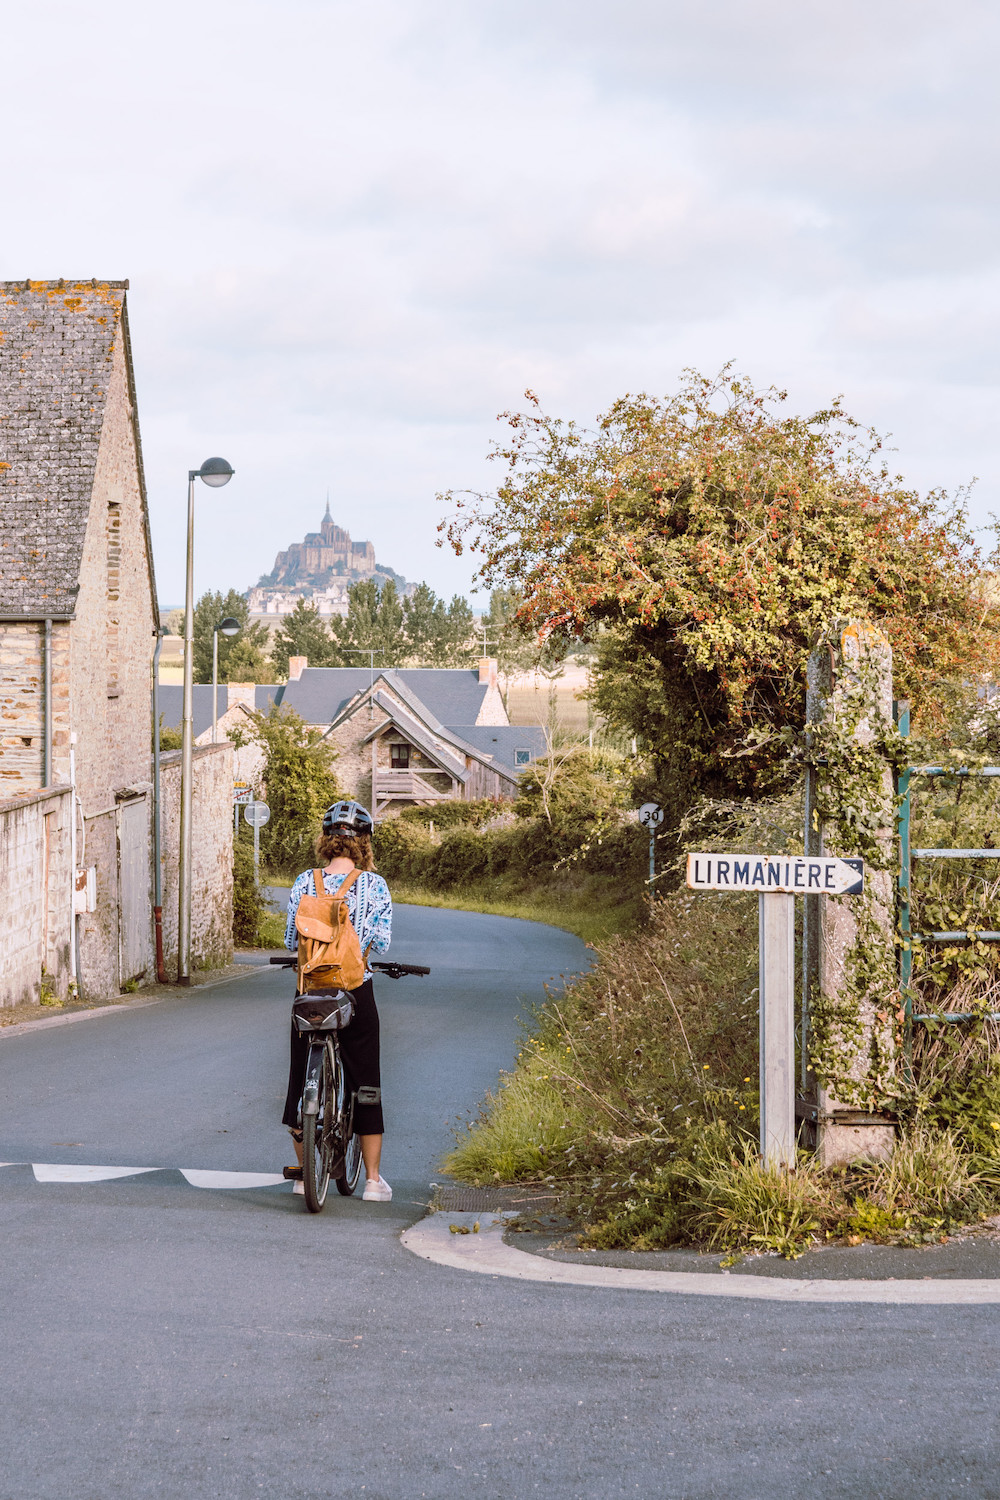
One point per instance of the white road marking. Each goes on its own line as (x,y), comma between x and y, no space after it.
(58,1172)
(201,1179)
(195,1176)
(486,1253)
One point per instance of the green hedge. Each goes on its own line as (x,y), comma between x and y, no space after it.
(405,851)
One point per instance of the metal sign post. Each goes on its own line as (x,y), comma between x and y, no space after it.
(777,881)
(651,816)
(256,814)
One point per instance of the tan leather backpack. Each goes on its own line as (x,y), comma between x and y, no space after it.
(330,956)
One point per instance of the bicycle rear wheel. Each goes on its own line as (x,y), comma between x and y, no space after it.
(316,1129)
(352,1167)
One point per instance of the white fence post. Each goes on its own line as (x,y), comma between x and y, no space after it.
(777,1029)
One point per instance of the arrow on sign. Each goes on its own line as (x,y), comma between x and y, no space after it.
(793,874)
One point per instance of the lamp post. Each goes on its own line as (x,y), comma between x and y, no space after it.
(228,626)
(214,472)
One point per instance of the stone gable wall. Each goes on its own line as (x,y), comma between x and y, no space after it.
(35,896)
(112,636)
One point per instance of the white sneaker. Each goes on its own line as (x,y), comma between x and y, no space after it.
(299,1187)
(377,1191)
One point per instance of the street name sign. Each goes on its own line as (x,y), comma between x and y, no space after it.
(793,875)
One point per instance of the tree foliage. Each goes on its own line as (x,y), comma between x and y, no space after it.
(244,653)
(704,539)
(299,777)
(303,633)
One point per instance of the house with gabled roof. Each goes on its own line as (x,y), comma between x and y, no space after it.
(416,736)
(77,628)
(234,704)
(403,737)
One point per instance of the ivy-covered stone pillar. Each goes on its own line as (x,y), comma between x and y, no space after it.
(853,1043)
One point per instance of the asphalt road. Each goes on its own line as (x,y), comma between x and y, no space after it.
(161,1340)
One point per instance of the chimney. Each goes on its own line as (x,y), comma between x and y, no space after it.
(488,670)
(241,692)
(296,666)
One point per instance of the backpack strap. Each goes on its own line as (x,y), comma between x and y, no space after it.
(344,887)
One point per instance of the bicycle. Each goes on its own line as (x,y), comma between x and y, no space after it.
(330,1147)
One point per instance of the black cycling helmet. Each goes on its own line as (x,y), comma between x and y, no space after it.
(347,817)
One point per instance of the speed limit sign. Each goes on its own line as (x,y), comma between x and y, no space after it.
(257,814)
(651,815)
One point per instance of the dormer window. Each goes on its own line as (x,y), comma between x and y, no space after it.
(399,757)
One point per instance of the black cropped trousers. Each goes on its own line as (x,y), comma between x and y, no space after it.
(359,1048)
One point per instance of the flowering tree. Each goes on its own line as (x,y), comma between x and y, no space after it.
(704,539)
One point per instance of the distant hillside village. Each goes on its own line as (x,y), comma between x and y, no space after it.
(319,570)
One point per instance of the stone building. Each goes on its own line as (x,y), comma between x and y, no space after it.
(415,736)
(322,554)
(321,570)
(77,622)
(404,737)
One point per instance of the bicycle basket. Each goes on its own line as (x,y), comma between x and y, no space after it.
(329,1010)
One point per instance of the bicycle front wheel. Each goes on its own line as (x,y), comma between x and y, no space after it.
(316,1128)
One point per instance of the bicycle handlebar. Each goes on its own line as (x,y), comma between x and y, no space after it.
(394,970)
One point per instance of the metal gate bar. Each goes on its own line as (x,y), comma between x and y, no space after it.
(908,938)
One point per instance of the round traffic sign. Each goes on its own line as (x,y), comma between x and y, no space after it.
(650,815)
(256,814)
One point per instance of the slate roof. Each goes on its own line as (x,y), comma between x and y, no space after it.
(451,695)
(501,740)
(57,342)
(171,702)
(417,734)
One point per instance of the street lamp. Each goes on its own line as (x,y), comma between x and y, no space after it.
(228,626)
(214,472)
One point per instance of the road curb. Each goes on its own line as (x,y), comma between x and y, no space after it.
(123,1009)
(484,1252)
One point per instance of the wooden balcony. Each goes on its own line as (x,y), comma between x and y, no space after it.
(409,786)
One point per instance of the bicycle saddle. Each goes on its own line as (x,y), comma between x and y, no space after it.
(317,1011)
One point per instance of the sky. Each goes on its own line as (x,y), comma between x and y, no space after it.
(355,233)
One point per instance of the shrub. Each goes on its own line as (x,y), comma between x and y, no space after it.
(462,856)
(298,774)
(403,850)
(248,907)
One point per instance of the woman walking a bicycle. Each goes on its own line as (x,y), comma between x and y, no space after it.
(345,849)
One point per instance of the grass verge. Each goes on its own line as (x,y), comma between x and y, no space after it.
(635,1096)
(592,908)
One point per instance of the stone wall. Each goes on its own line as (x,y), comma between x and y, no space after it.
(212,863)
(35,895)
(22,705)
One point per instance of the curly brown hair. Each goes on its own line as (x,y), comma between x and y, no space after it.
(353,846)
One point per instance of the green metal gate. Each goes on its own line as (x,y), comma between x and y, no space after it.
(907,854)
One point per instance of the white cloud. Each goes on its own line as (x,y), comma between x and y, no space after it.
(354,234)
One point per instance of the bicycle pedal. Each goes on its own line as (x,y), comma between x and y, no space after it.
(292,1174)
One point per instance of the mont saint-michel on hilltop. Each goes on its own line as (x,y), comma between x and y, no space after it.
(320,569)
